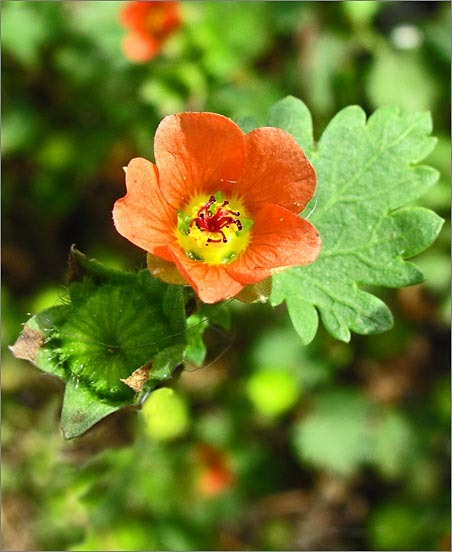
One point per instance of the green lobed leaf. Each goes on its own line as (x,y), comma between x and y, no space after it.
(118,337)
(367,173)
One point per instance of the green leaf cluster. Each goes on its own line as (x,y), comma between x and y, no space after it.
(113,325)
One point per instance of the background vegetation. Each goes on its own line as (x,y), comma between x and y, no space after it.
(271,445)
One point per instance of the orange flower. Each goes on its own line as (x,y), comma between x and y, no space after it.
(150,24)
(215,475)
(219,208)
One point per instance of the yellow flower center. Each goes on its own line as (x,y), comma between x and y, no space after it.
(213,231)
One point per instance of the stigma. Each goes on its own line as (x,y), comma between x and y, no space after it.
(214,222)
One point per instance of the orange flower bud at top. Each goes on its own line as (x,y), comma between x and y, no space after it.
(150,24)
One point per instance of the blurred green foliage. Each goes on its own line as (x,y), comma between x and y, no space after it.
(351,450)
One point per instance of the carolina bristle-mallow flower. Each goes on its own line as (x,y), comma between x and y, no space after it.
(219,208)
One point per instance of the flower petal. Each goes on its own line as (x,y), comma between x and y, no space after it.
(142,215)
(140,47)
(279,239)
(276,171)
(211,282)
(133,15)
(197,153)
(152,17)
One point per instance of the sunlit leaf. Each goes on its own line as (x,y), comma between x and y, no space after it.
(367,172)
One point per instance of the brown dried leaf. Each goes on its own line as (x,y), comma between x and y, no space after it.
(28,344)
(138,378)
